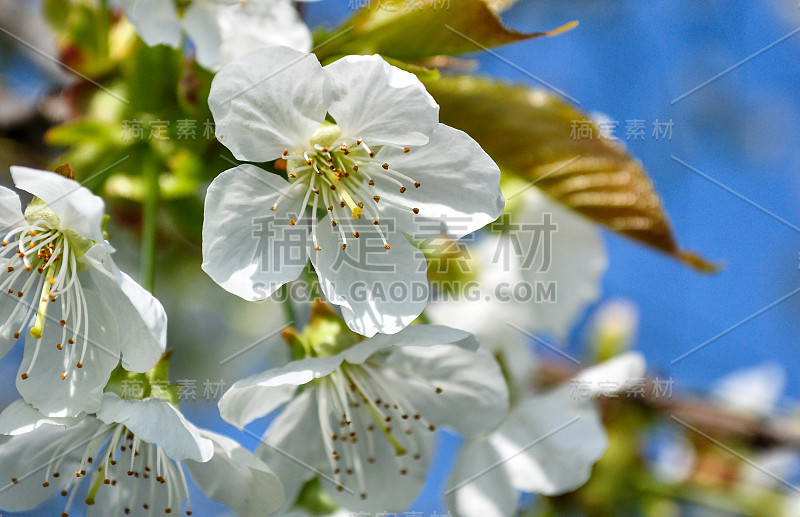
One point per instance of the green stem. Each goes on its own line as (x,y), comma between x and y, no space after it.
(288,309)
(103,28)
(311,279)
(149,225)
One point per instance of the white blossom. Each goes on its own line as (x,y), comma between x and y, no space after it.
(363,419)
(135,454)
(362,141)
(62,292)
(221,30)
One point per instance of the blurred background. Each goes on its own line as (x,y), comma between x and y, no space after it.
(727,173)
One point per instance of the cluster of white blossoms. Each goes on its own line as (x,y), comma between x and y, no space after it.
(367,167)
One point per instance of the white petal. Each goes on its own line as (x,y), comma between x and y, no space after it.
(225,31)
(489,311)
(82,389)
(269,100)
(241,405)
(379,290)
(20,418)
(380,103)
(414,335)
(253,25)
(249,249)
(489,320)
(10,210)
(292,446)
(10,217)
(156,21)
(576,264)
(9,325)
(237,479)
(754,390)
(158,422)
(550,442)
(459,185)
(479,487)
(26,457)
(614,375)
(487,317)
(140,317)
(260,394)
(568,262)
(201,23)
(473,397)
(77,208)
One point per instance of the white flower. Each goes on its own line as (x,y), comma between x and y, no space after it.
(62,291)
(569,258)
(383,168)
(755,390)
(546,445)
(362,420)
(221,30)
(614,326)
(134,453)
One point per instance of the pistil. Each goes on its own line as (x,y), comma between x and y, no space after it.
(44,301)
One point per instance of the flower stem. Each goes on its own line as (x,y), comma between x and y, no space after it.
(149,225)
(288,309)
(103,28)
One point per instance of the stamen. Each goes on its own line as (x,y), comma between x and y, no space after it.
(366,148)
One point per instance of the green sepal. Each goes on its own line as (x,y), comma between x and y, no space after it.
(104,226)
(158,377)
(313,499)
(120,377)
(160,371)
(326,333)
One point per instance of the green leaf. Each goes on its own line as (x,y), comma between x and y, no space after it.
(424,73)
(531,133)
(411,31)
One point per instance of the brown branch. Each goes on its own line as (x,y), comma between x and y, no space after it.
(703,414)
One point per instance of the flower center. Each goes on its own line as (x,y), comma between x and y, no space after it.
(358,402)
(344,175)
(41,259)
(116,460)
